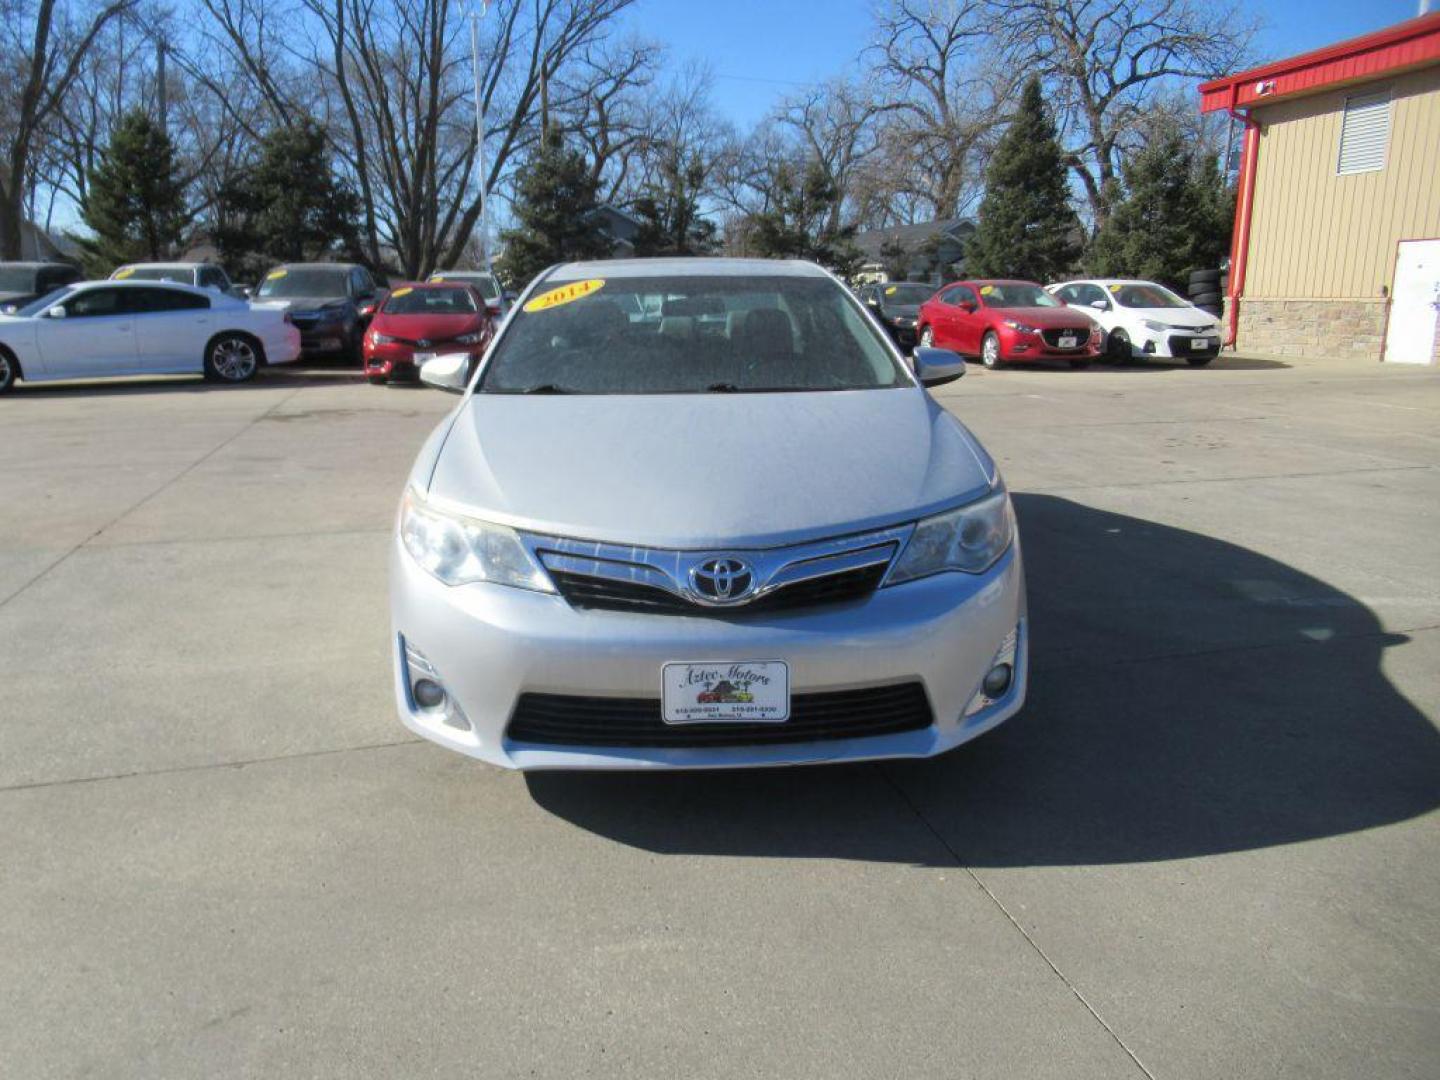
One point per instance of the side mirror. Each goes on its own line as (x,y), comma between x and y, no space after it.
(57,312)
(1100,305)
(967,306)
(933,367)
(449,372)
(872,301)
(241,292)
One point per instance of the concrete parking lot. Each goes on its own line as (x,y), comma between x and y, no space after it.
(1208,847)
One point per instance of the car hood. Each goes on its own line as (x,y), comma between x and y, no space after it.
(301,303)
(434,327)
(1056,318)
(704,470)
(1186,317)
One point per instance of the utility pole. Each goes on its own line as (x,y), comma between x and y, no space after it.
(476,14)
(162,94)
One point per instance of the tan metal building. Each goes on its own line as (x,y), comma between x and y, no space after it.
(1337,223)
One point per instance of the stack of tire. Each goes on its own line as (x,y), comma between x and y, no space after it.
(1207,290)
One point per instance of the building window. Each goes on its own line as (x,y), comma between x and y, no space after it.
(1364,133)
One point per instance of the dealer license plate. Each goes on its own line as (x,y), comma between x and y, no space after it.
(1199,343)
(725,691)
(1067,342)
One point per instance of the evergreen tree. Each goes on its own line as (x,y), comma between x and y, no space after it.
(289,207)
(797,223)
(555,207)
(1175,214)
(895,259)
(669,212)
(135,202)
(1026,228)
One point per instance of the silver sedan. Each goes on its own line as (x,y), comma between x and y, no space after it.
(700,513)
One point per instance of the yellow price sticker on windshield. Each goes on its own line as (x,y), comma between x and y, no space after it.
(437,277)
(1116,288)
(890,291)
(986,290)
(276,275)
(402,292)
(121,275)
(565,294)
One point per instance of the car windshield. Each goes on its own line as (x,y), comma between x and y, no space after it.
(307,281)
(430,301)
(1145,296)
(16,279)
(1017,294)
(905,295)
(40,304)
(155,273)
(685,334)
(483,282)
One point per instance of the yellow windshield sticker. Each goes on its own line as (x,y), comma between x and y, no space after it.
(437,277)
(890,291)
(565,294)
(1116,288)
(121,275)
(986,290)
(402,292)
(276,275)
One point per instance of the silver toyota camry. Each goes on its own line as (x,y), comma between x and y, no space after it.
(700,513)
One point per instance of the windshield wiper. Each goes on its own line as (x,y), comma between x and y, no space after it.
(722,388)
(546,388)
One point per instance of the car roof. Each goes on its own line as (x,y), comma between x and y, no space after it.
(1107,281)
(997,281)
(429,285)
(30,264)
(457,273)
(686,267)
(125,283)
(318,266)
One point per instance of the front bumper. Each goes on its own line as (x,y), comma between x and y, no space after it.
(488,644)
(1017,346)
(396,360)
(1179,345)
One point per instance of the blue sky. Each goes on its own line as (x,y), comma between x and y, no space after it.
(759,49)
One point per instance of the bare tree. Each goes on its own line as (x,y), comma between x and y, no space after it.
(1105,61)
(944,95)
(41,53)
(835,127)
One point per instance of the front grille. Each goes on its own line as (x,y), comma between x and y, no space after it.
(1052,337)
(820,717)
(302,322)
(583,591)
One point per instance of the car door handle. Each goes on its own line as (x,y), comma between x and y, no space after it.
(122,326)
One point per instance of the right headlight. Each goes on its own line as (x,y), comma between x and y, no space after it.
(968,539)
(458,550)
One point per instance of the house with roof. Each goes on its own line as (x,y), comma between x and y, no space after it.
(930,251)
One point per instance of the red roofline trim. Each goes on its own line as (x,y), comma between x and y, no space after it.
(1410,44)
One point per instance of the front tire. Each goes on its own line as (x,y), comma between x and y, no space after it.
(1119,347)
(990,351)
(9,371)
(232,358)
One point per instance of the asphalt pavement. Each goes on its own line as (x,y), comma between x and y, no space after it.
(1207,847)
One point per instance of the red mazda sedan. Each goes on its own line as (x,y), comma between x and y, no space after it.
(418,322)
(1001,321)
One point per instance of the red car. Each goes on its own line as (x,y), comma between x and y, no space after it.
(1002,321)
(419,321)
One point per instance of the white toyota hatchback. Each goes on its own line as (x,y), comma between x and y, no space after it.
(1142,318)
(700,513)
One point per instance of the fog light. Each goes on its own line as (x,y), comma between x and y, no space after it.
(430,694)
(997,680)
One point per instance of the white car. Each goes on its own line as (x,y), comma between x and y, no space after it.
(95,329)
(1141,318)
(484,283)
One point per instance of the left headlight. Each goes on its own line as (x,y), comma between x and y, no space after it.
(1020,327)
(471,339)
(969,539)
(458,550)
(377,338)
(1157,327)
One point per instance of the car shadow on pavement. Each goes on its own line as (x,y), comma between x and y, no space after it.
(1187,697)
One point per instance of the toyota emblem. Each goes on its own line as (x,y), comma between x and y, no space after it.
(722,580)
